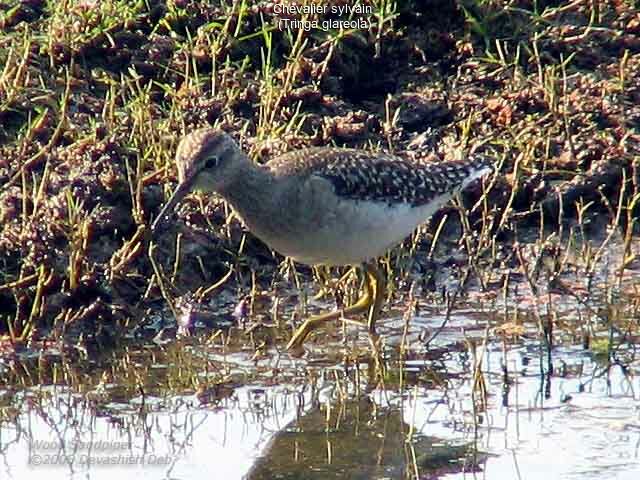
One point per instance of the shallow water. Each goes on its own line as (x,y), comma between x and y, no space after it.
(279,417)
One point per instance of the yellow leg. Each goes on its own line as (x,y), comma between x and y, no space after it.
(379,287)
(370,301)
(320,274)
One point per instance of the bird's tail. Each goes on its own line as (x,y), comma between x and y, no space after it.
(456,175)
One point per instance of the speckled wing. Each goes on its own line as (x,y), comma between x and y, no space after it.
(361,175)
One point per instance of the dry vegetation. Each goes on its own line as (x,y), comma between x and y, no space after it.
(94,96)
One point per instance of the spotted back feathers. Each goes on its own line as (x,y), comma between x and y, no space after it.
(361,175)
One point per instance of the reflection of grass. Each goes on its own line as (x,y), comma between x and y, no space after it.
(119,376)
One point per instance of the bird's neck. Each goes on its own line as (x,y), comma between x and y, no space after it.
(251,191)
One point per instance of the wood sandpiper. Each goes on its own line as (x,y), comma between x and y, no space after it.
(322,206)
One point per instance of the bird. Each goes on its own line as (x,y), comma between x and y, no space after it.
(325,206)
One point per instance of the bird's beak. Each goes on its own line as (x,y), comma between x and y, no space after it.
(178,195)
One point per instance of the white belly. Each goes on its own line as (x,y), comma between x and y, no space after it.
(356,232)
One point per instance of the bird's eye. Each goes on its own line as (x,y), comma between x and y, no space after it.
(212,162)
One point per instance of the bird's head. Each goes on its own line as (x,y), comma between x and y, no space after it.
(206,160)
